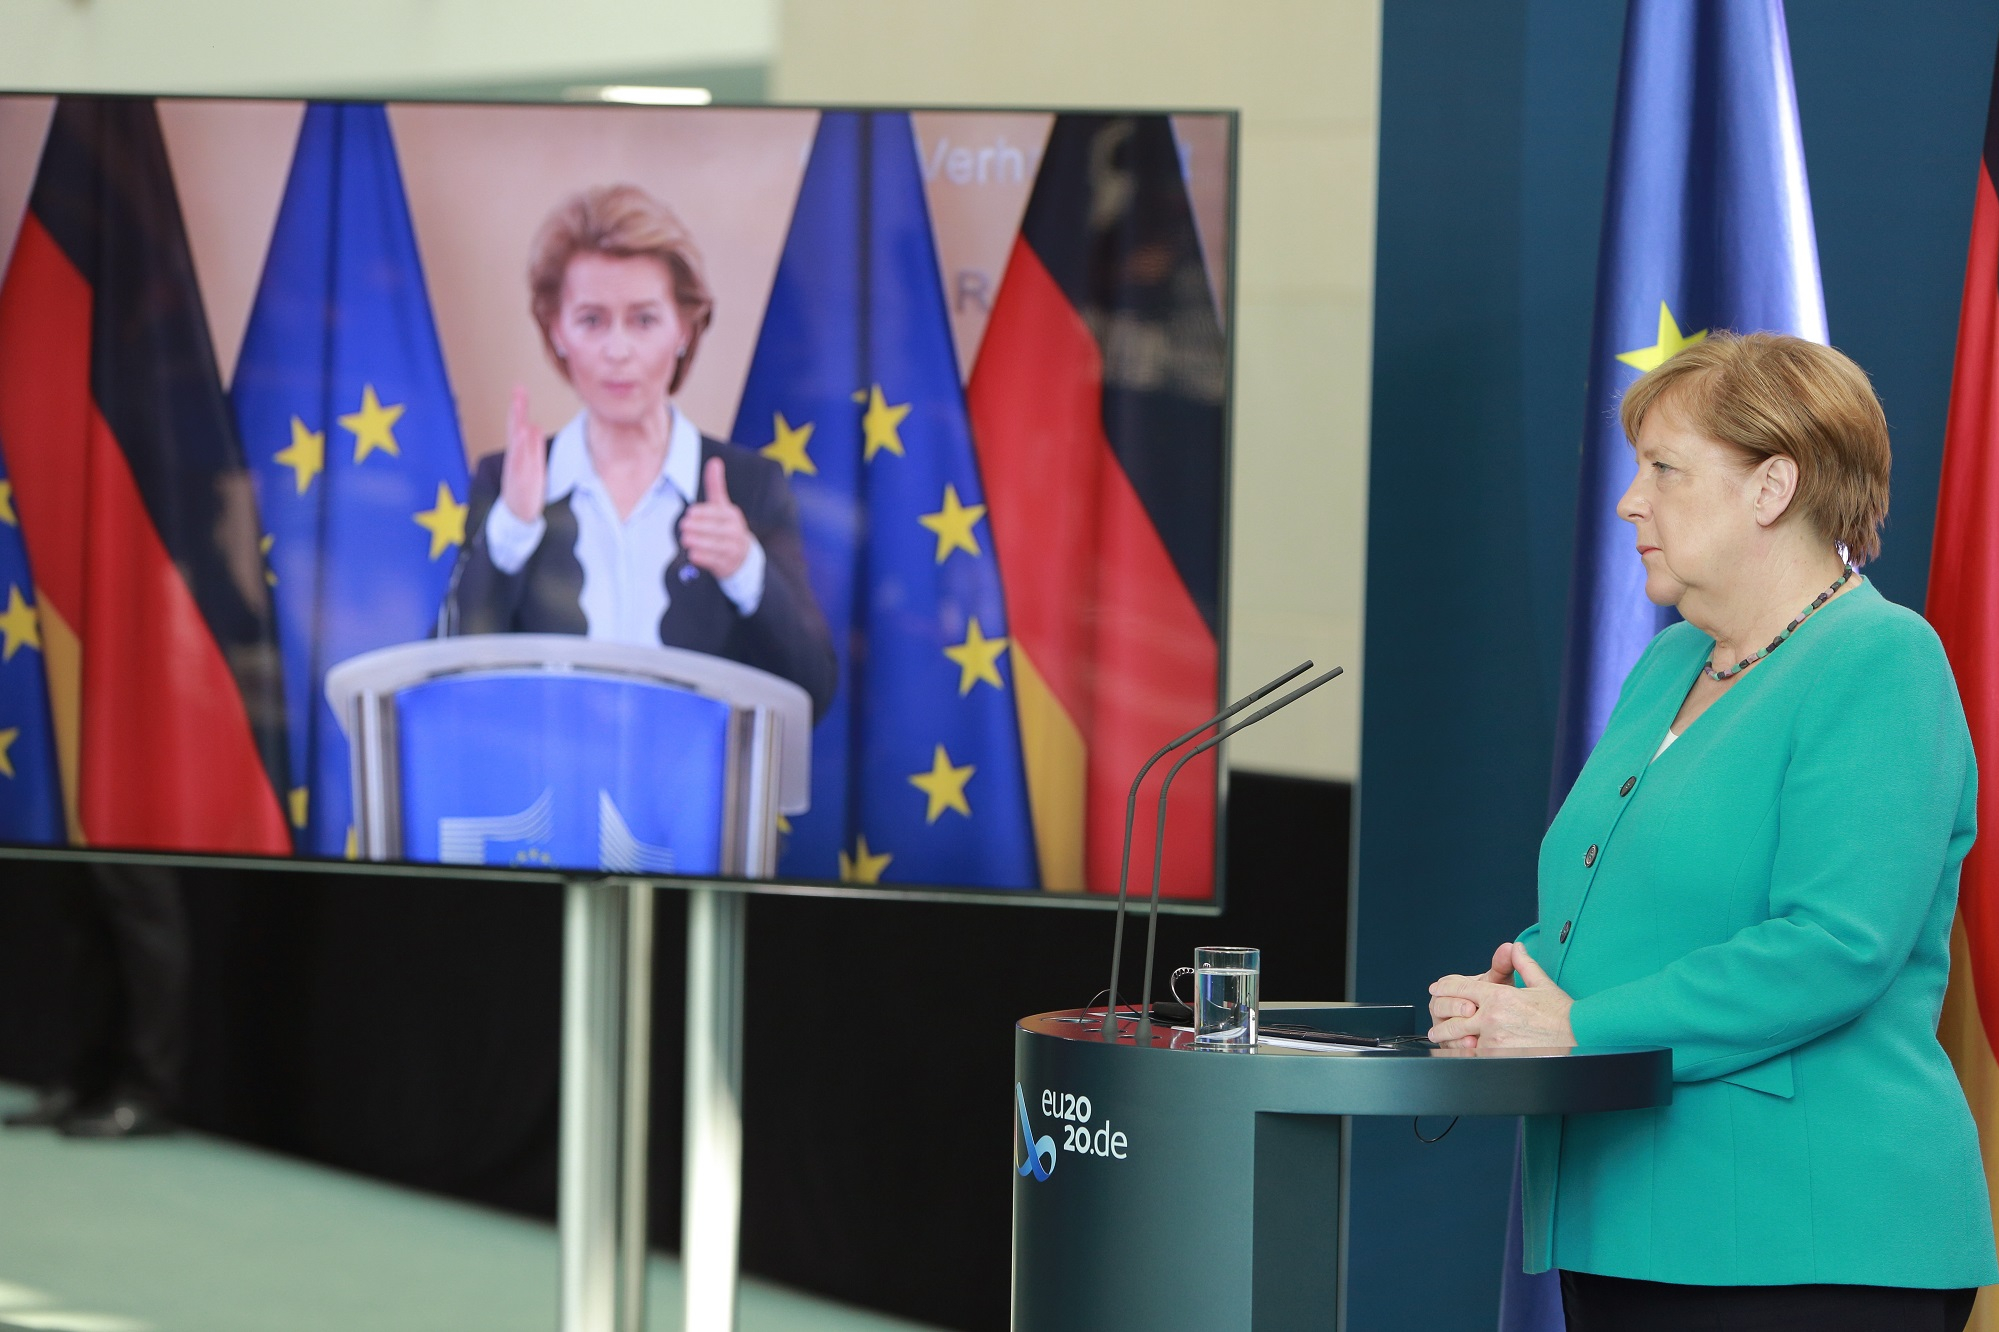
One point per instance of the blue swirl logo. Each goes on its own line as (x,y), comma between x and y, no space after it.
(1040,1161)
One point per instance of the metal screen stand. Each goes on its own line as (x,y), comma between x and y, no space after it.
(606,1083)
(606,1070)
(712,1206)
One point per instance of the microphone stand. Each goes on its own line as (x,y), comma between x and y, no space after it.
(1143,1036)
(1131,808)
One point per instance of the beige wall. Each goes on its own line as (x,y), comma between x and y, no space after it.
(1304,74)
(310,46)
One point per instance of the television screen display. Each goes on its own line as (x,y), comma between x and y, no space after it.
(826,497)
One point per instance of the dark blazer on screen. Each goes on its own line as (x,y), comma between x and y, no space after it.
(787,636)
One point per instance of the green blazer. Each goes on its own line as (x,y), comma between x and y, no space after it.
(1771,897)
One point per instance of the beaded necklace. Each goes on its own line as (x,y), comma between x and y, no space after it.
(1707,668)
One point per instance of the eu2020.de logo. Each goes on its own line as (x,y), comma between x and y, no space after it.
(1040,1161)
(1078,1135)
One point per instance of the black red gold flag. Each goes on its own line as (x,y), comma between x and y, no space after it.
(1098,407)
(1961,606)
(138,514)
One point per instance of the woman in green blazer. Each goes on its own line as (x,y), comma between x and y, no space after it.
(1757,867)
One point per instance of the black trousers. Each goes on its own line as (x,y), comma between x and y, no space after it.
(127,956)
(1593,1303)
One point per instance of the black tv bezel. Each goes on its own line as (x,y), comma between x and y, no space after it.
(787,887)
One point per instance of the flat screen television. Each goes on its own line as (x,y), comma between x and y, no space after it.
(923,413)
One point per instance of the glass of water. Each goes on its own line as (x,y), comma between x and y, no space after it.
(1225,997)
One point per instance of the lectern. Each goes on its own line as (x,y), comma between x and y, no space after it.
(549,751)
(1168,1186)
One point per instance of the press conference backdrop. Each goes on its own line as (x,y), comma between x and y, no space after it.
(252,352)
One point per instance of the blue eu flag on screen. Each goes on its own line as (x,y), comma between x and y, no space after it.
(30,789)
(347,418)
(916,771)
(1707,225)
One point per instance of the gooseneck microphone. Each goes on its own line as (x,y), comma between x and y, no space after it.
(1143,1036)
(1131,808)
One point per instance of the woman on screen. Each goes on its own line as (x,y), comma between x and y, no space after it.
(1758,867)
(628,525)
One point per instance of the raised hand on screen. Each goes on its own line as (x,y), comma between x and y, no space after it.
(1533,1014)
(714,532)
(524,474)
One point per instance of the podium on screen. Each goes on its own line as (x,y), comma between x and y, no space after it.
(553,751)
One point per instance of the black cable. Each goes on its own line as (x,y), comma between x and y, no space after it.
(1416,1127)
(1122,1008)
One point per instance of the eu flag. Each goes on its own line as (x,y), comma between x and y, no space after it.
(916,770)
(349,425)
(1707,225)
(30,790)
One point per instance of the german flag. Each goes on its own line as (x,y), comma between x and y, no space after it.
(138,514)
(1963,606)
(1098,409)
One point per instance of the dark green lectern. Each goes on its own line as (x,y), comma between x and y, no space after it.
(1174,1187)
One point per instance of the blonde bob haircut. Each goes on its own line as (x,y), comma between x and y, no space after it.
(1769,395)
(623,222)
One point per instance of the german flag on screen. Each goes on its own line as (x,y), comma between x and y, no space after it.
(1098,408)
(139,517)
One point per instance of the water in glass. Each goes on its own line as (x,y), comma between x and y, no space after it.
(1225,1006)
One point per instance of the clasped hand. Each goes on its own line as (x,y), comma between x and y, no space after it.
(1491,1012)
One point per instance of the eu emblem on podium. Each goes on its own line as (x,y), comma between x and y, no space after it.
(545,769)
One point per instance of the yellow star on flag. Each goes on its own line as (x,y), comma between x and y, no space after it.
(445,522)
(19,625)
(306,454)
(297,798)
(1669,345)
(945,785)
(789,447)
(977,659)
(953,524)
(264,549)
(7,739)
(882,423)
(862,867)
(7,504)
(373,426)
(353,843)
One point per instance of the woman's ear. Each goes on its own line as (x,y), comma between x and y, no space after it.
(1777,488)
